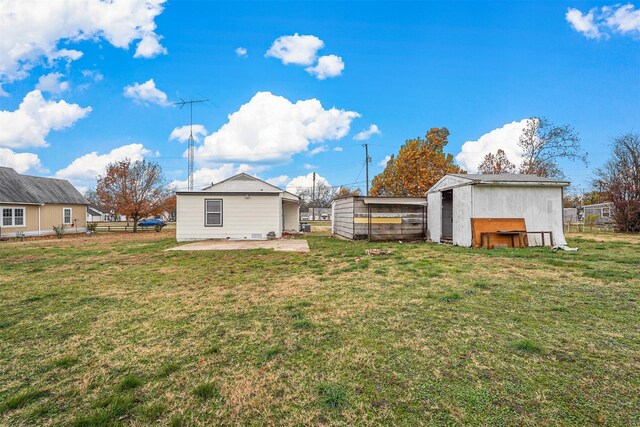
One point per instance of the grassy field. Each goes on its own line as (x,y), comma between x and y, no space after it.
(111,330)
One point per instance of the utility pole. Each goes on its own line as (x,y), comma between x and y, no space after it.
(191,143)
(367,160)
(313,198)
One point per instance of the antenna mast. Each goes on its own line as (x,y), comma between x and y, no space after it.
(191,141)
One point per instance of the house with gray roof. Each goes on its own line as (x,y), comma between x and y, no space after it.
(33,205)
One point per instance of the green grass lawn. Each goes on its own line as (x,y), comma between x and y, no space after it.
(108,330)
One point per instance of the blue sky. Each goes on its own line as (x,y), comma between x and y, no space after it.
(407,66)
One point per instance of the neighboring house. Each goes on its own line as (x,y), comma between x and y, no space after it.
(240,207)
(94,215)
(600,213)
(33,205)
(457,198)
(570,215)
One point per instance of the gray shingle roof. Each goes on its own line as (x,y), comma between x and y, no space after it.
(16,188)
(507,177)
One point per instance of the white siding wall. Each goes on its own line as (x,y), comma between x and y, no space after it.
(241,218)
(291,216)
(541,208)
(462,213)
(434,216)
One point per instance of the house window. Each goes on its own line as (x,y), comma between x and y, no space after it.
(13,217)
(213,213)
(606,212)
(66,216)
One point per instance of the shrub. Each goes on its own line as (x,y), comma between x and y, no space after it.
(59,230)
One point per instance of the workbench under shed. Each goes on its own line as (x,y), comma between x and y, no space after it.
(379,218)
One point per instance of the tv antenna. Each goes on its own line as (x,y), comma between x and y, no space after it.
(191,140)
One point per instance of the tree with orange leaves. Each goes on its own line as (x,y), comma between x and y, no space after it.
(135,189)
(496,163)
(420,164)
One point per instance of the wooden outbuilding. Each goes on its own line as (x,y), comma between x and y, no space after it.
(379,218)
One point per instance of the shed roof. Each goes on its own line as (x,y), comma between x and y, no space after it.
(507,177)
(458,179)
(26,189)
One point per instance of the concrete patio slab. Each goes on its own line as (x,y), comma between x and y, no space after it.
(289,245)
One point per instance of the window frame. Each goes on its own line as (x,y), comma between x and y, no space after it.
(605,212)
(70,216)
(206,224)
(13,217)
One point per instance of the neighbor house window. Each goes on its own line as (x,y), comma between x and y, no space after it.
(66,215)
(13,217)
(213,213)
(606,212)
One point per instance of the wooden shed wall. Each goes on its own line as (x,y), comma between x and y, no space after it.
(388,222)
(343,217)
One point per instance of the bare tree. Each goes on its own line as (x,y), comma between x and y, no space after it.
(544,143)
(135,189)
(620,179)
(496,164)
(322,198)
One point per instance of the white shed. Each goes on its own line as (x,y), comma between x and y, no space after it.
(457,198)
(240,207)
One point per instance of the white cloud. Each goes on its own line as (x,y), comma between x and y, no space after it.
(241,52)
(204,177)
(84,170)
(305,181)
(583,23)
(625,19)
(505,138)
(146,93)
(21,162)
(327,66)
(149,47)
(271,128)
(94,75)
(182,133)
(367,133)
(34,30)
(278,180)
(597,23)
(29,125)
(318,150)
(296,49)
(309,166)
(337,149)
(384,161)
(52,83)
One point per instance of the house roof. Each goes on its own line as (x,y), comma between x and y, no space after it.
(26,189)
(242,184)
(93,211)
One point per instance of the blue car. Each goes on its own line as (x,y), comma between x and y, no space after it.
(156,223)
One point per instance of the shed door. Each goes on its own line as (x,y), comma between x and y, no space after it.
(447,214)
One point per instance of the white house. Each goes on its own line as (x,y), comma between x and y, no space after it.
(240,207)
(456,198)
(94,215)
